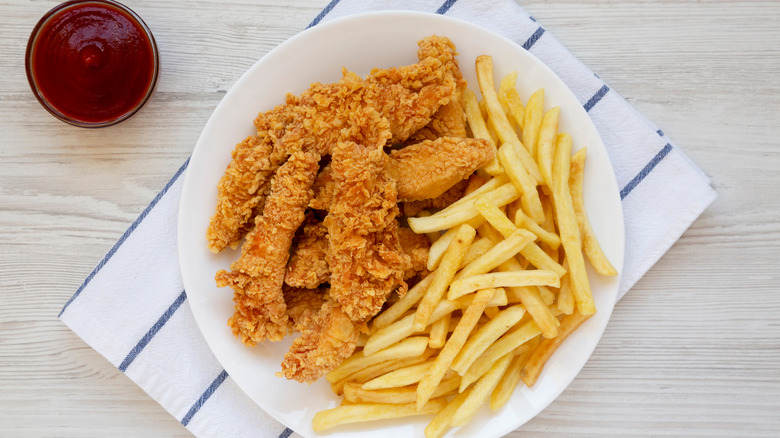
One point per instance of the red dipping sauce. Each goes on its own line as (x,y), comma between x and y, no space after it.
(92,63)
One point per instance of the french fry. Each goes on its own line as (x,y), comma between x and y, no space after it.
(589,242)
(479,127)
(498,254)
(436,372)
(522,180)
(515,104)
(484,336)
(547,296)
(499,299)
(516,339)
(532,120)
(482,389)
(439,332)
(549,238)
(509,380)
(410,347)
(443,275)
(477,249)
(366,412)
(507,83)
(404,327)
(533,303)
(442,421)
(568,227)
(546,144)
(461,213)
(495,217)
(538,277)
(484,66)
(355,393)
(434,236)
(547,347)
(372,371)
(392,313)
(565,296)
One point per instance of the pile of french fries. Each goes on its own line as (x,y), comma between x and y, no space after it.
(507,284)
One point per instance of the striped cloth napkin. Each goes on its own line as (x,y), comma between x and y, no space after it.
(133,310)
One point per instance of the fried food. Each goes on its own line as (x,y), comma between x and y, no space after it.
(330,338)
(308,267)
(365,256)
(428,169)
(257,276)
(303,305)
(389,105)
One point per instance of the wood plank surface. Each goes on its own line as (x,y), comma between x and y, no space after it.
(692,350)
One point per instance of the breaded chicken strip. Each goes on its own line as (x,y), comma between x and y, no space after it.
(258,275)
(390,104)
(303,305)
(444,200)
(308,267)
(365,256)
(330,338)
(428,169)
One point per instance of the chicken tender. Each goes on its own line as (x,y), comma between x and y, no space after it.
(428,169)
(365,256)
(258,275)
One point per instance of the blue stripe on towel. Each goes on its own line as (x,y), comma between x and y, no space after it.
(286,433)
(152,331)
(445,6)
(204,397)
(645,171)
(534,38)
(596,98)
(324,12)
(127,234)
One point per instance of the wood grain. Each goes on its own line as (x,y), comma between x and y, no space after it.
(692,350)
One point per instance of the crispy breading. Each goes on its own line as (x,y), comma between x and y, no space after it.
(308,267)
(303,305)
(390,104)
(325,342)
(428,169)
(365,256)
(444,200)
(258,275)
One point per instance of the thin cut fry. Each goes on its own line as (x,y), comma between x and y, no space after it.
(569,230)
(355,393)
(484,336)
(546,144)
(509,158)
(376,370)
(442,363)
(364,412)
(443,275)
(506,134)
(533,303)
(410,347)
(481,391)
(532,120)
(537,277)
(441,422)
(439,332)
(392,313)
(515,104)
(462,212)
(403,328)
(548,346)
(508,382)
(498,254)
(589,242)
(479,127)
(565,295)
(549,238)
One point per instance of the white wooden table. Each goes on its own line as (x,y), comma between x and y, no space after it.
(693,350)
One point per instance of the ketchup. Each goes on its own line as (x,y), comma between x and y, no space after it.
(93,62)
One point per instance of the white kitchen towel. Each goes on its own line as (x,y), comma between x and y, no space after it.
(133,309)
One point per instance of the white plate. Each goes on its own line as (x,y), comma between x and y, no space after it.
(360,43)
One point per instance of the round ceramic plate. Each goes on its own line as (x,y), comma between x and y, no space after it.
(361,43)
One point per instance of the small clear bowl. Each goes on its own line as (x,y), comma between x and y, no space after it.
(95,122)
